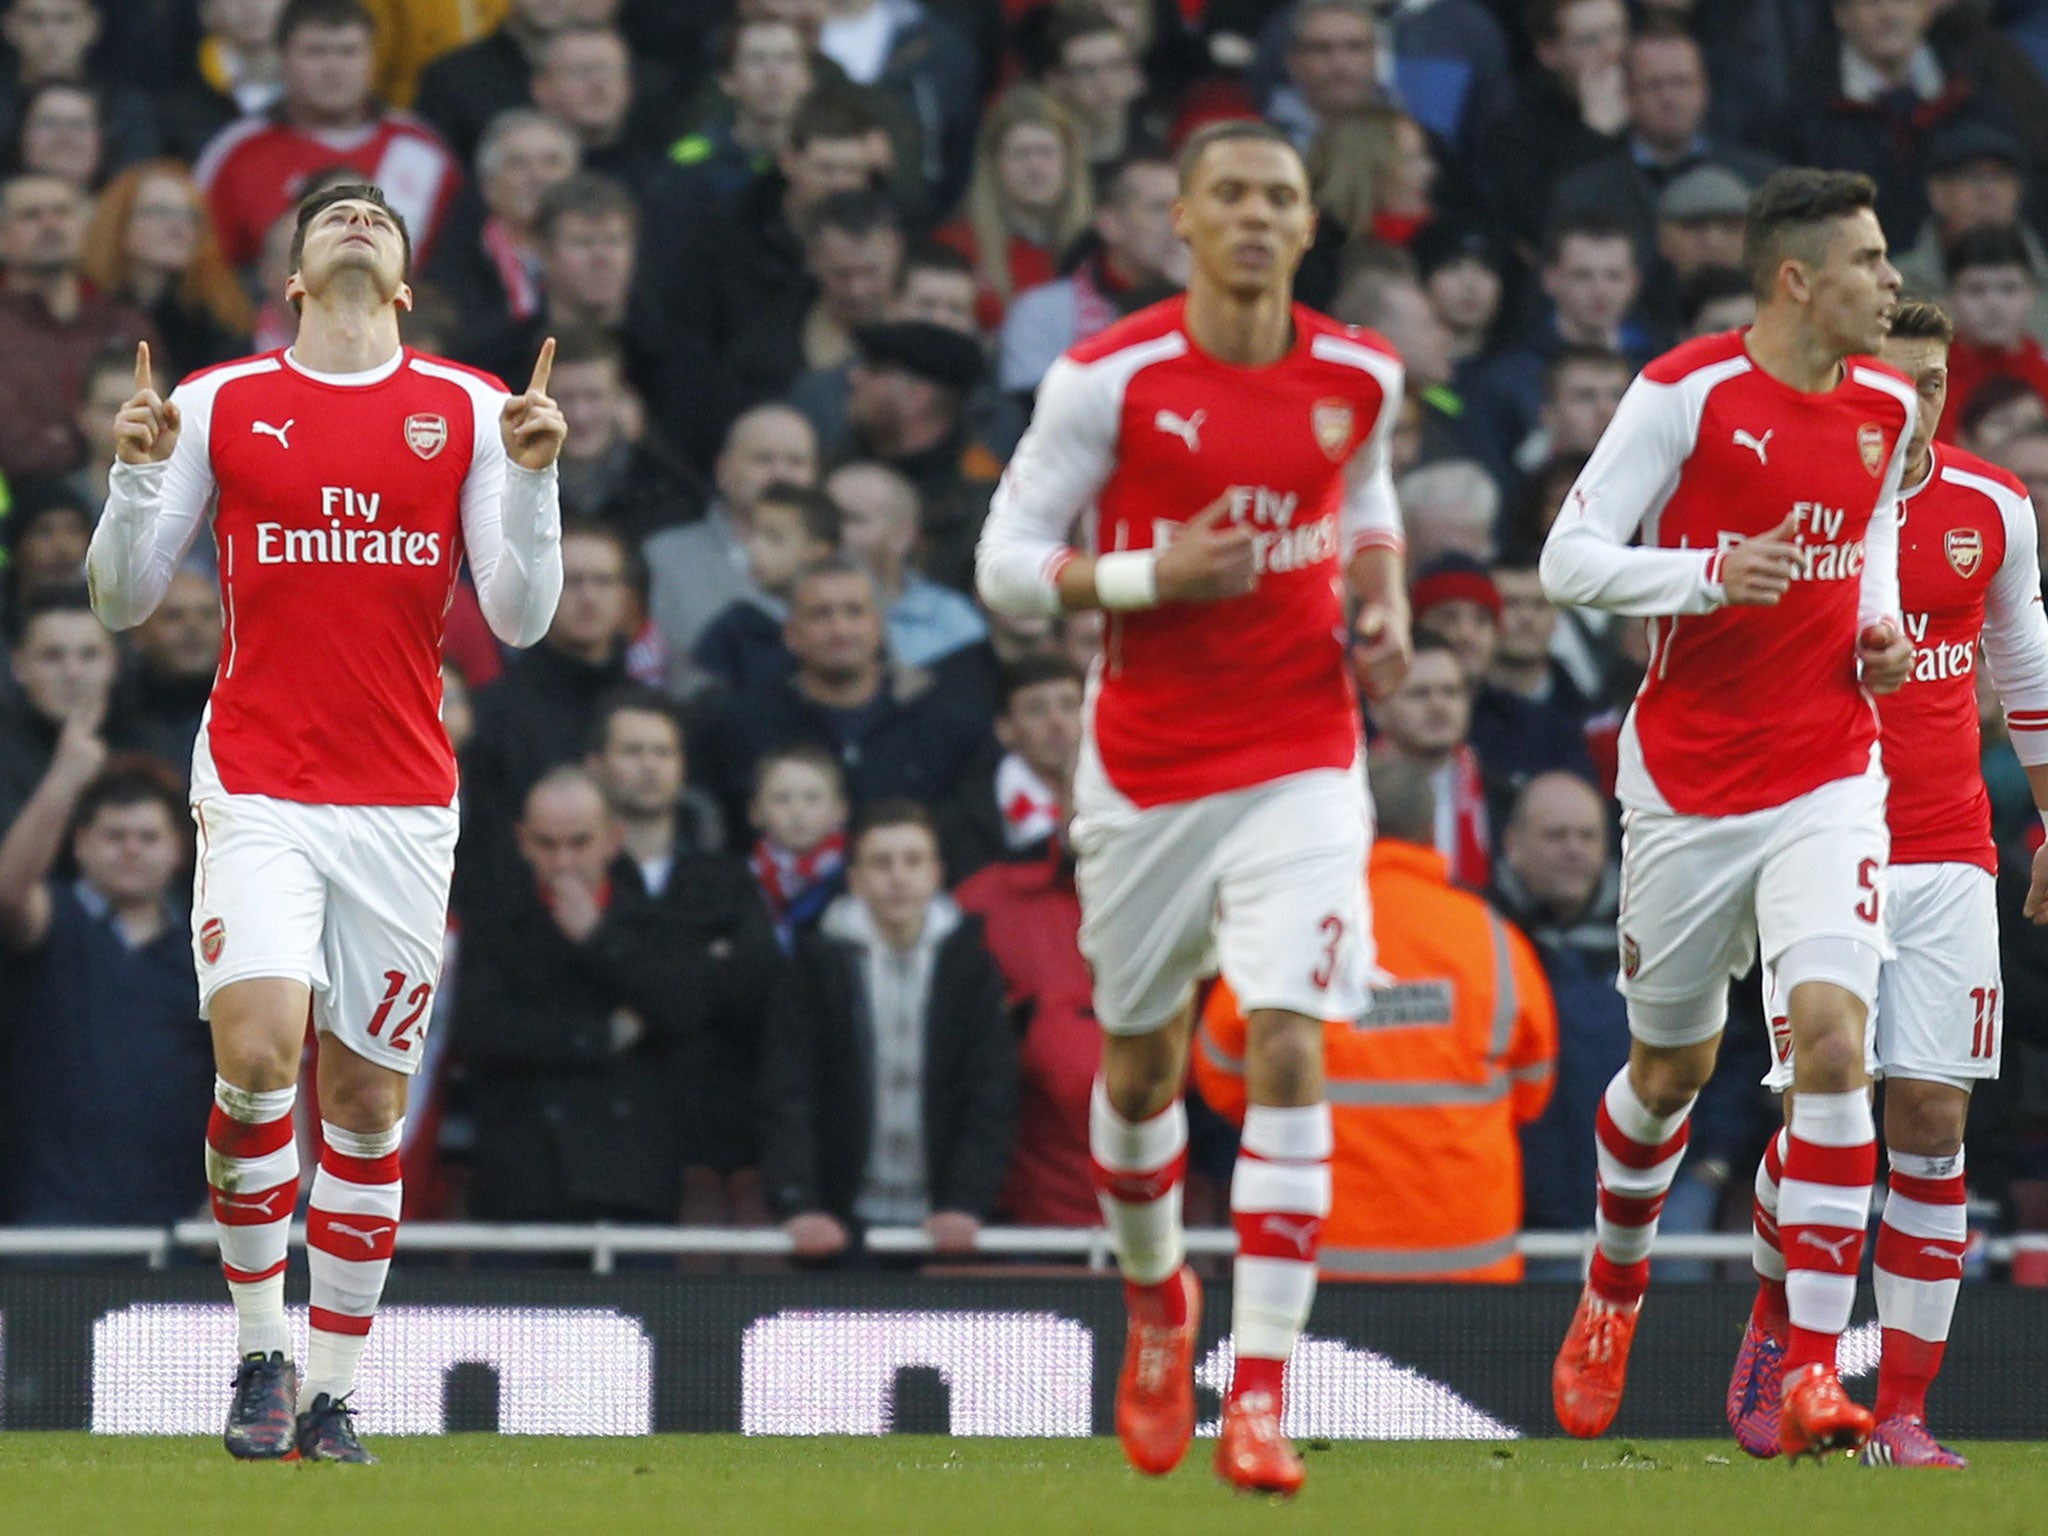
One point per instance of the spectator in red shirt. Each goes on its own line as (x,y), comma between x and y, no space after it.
(1992,289)
(256,170)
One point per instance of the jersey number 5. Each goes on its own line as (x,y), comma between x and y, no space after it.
(402,1033)
(1866,879)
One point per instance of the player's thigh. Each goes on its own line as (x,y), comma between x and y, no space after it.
(1823,874)
(387,920)
(258,899)
(1688,920)
(1293,925)
(1147,884)
(1942,1008)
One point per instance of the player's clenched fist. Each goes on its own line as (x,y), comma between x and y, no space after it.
(146,428)
(1757,572)
(1886,655)
(532,424)
(1209,558)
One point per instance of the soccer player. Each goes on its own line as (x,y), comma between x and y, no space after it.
(1233,449)
(1968,568)
(1762,468)
(346,477)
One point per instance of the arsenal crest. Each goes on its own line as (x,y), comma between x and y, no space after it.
(427,435)
(213,937)
(1332,422)
(1870,443)
(1965,550)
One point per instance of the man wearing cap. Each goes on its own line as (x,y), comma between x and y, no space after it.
(910,384)
(1976,175)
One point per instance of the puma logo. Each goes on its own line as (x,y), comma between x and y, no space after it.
(1301,1233)
(1759,444)
(235,1203)
(1935,1251)
(1187,428)
(369,1238)
(277,432)
(1834,1248)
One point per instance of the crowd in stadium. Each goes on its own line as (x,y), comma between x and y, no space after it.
(762,913)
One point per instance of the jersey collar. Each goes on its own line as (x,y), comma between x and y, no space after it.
(376,375)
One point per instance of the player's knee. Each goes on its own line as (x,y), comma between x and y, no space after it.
(256,1063)
(1669,1080)
(364,1103)
(1926,1119)
(1142,1074)
(1284,1058)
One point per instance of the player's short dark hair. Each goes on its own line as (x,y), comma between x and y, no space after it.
(317,203)
(803,754)
(1582,354)
(631,699)
(1035,671)
(878,815)
(819,513)
(589,344)
(855,211)
(1584,225)
(1230,131)
(1790,216)
(584,195)
(1919,320)
(1989,245)
(831,112)
(930,256)
(131,778)
(299,14)
(48,600)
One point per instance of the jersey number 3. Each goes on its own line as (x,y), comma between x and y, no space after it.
(1332,930)
(407,1029)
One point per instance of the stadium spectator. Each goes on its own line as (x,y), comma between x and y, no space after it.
(1700,221)
(1717,299)
(853,263)
(60,134)
(1030,198)
(109,381)
(1391,301)
(255,170)
(893,740)
(1425,721)
(1372,173)
(52,41)
(1092,72)
(1135,259)
(1333,67)
(460,92)
(489,263)
(1427,1097)
(1009,809)
(109,1088)
(1522,661)
(1572,110)
(1462,271)
(640,761)
(793,529)
(880,522)
(606,472)
(584,81)
(177,651)
(233,74)
(1557,882)
(1976,175)
(890,1072)
(917,59)
(765,70)
(64,665)
(1451,506)
(2000,411)
(1581,389)
(49,528)
(151,242)
(1993,290)
(2026,454)
(52,325)
(798,813)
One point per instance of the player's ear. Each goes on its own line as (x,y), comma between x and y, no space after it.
(403,298)
(295,287)
(1180,217)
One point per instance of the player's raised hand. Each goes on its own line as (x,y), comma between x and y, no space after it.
(146,428)
(1211,557)
(1757,571)
(532,424)
(1886,655)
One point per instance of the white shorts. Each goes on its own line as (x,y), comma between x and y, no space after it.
(352,900)
(1699,892)
(1940,1005)
(1266,884)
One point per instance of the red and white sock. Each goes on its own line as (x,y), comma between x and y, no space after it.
(1823,1208)
(1766,1251)
(351,1229)
(1920,1245)
(1279,1197)
(1139,1168)
(252,1183)
(1639,1152)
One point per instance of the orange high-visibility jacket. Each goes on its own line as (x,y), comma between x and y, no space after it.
(1427,1090)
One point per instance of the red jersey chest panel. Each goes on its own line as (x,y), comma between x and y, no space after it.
(1203,698)
(1744,708)
(339,533)
(1952,542)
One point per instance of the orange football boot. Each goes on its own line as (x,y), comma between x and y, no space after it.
(1818,1416)
(1155,1394)
(1251,1453)
(1592,1365)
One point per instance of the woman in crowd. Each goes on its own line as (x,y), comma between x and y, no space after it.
(151,241)
(1029,199)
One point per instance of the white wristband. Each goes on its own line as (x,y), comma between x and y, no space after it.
(1127,579)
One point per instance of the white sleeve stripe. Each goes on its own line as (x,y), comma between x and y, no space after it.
(1898,389)
(1337,349)
(2002,496)
(469,381)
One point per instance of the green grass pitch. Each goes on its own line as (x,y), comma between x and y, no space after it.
(481,1485)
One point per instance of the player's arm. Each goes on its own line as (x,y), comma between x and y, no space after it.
(1375,562)
(1881,644)
(2016,655)
(157,497)
(512,508)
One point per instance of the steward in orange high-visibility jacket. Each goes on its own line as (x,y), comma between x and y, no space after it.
(1427,1092)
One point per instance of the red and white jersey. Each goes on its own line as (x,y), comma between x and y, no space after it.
(342,507)
(1967,568)
(1144,428)
(255,170)
(1742,708)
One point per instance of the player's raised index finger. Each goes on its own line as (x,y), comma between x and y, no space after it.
(143,380)
(543,366)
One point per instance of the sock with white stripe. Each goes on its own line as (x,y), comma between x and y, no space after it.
(1823,1208)
(351,1229)
(1139,1166)
(1639,1152)
(1766,1249)
(1279,1197)
(1920,1245)
(252,1183)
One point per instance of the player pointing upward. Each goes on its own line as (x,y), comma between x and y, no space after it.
(1232,448)
(1762,469)
(347,477)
